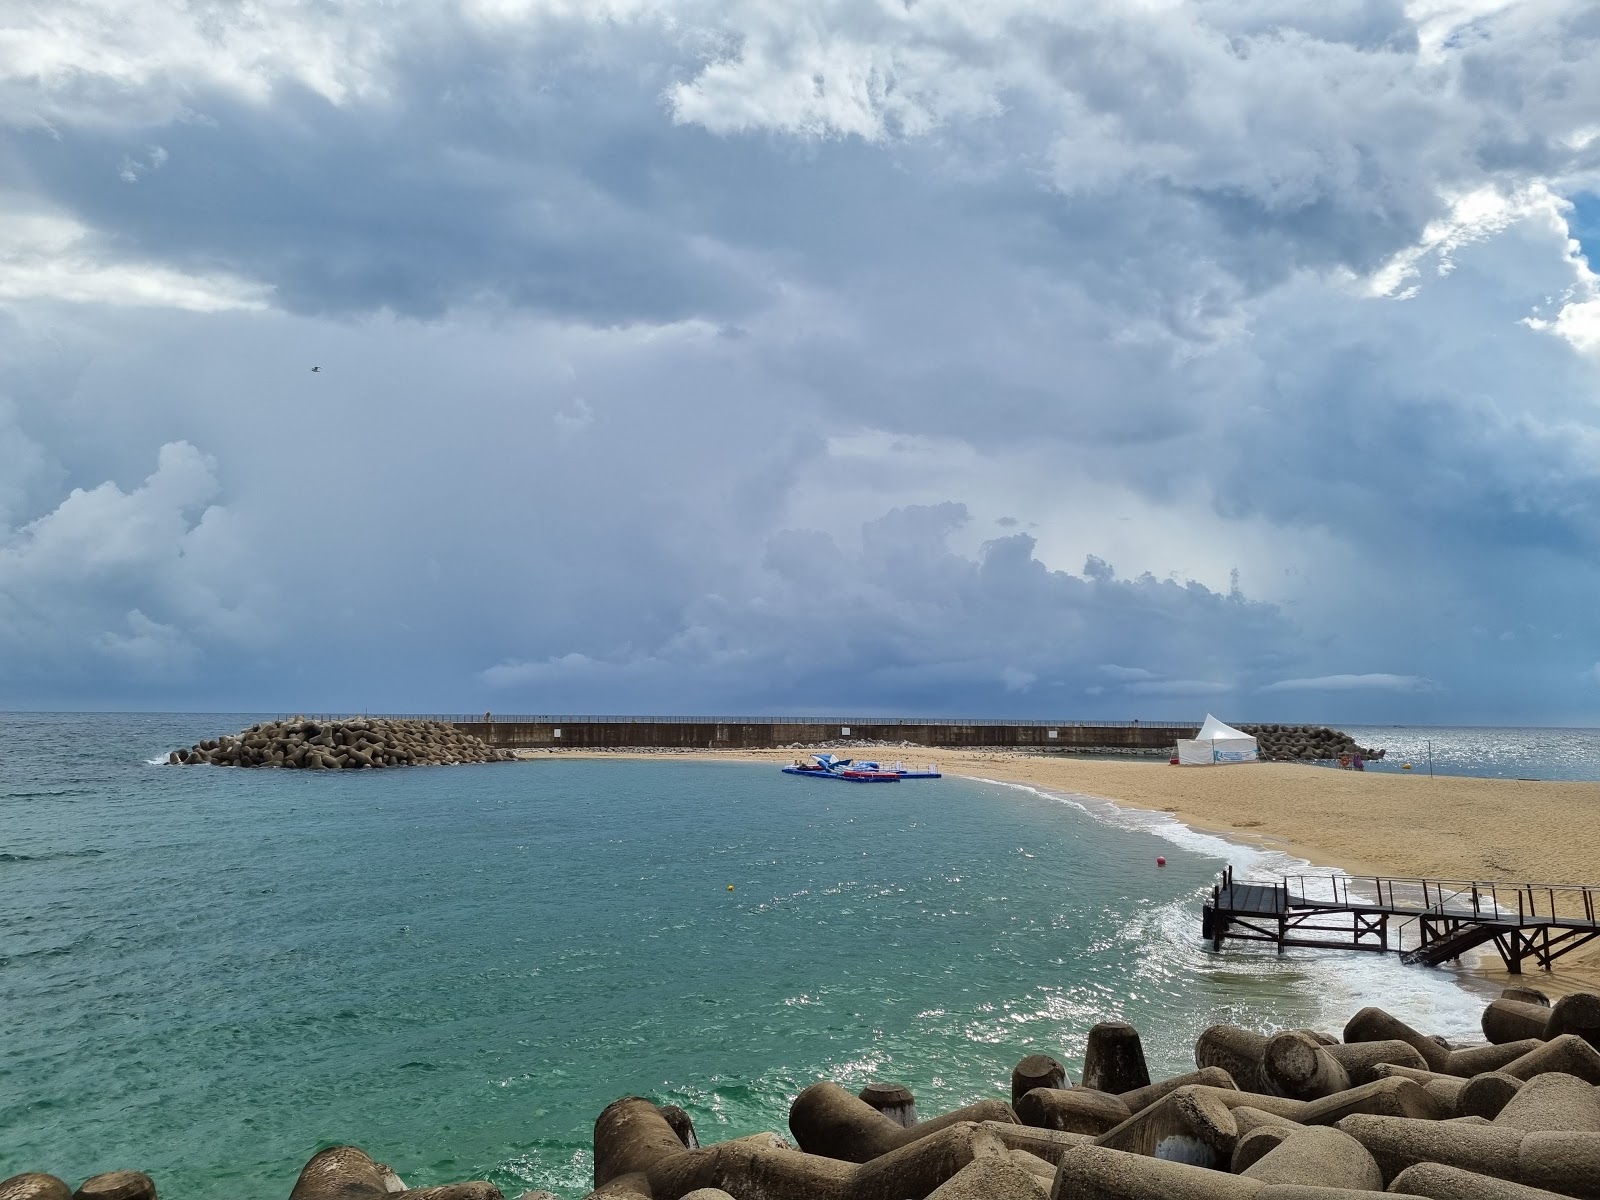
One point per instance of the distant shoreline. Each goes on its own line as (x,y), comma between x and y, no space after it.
(1365,823)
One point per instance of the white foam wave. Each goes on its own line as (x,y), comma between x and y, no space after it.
(1339,981)
(1247,860)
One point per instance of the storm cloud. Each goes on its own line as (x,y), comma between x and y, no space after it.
(1109,360)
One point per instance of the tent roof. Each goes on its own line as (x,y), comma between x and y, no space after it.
(1215,731)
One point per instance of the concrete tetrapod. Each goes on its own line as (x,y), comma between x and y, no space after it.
(1361,1060)
(1142,1098)
(1568,1163)
(1255,1145)
(1387,1097)
(1100,1173)
(1526,994)
(1239,1052)
(1439,1182)
(893,1100)
(1553,1101)
(632,1138)
(1046,1144)
(1514,1020)
(348,1173)
(1302,1069)
(1043,1169)
(34,1185)
(1321,1156)
(682,1125)
(117,1185)
(1446,1089)
(1192,1125)
(825,1119)
(1375,1025)
(1475,1060)
(1096,1173)
(992,1179)
(1036,1071)
(1072,1110)
(1113,1060)
(1576,1013)
(1569,1054)
(1487,1094)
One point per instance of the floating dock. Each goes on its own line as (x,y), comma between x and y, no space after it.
(1442,918)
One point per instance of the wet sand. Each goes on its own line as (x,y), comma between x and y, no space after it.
(1365,822)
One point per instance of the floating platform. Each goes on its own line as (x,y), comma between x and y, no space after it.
(846,776)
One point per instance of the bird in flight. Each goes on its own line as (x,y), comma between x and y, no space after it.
(314,370)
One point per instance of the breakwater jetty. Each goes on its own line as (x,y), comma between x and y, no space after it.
(1379,1110)
(334,744)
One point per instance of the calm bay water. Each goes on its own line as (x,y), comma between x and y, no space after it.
(210,974)
(1494,753)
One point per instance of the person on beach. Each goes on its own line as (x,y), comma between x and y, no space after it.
(1358,762)
(1344,761)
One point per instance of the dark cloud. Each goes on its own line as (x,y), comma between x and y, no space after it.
(680,360)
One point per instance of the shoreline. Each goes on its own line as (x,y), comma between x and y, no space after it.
(1362,823)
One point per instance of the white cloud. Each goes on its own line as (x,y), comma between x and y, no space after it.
(139,577)
(1346,683)
(1178,687)
(149,646)
(107,62)
(132,168)
(1017,680)
(47,256)
(1112,671)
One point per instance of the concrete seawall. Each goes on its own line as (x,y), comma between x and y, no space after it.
(747,734)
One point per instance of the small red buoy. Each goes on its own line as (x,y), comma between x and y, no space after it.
(1160,862)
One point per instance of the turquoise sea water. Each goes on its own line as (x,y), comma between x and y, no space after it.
(209,974)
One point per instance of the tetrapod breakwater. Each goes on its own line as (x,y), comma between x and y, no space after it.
(1380,1109)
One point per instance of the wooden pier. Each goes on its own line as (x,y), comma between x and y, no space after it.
(1443,918)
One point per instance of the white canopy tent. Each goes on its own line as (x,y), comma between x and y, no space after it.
(1216,743)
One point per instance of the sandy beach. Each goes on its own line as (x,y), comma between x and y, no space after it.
(1366,823)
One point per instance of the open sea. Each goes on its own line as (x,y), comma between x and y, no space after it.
(211,974)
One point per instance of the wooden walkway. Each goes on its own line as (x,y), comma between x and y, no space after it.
(1444,917)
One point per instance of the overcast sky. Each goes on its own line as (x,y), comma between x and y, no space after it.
(1120,358)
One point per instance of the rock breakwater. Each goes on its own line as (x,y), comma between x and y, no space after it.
(1304,743)
(1379,1110)
(358,743)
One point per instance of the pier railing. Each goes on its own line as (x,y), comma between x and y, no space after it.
(1444,918)
(1474,899)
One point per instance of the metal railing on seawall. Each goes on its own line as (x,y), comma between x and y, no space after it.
(614,719)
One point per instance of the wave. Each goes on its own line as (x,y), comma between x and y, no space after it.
(8,857)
